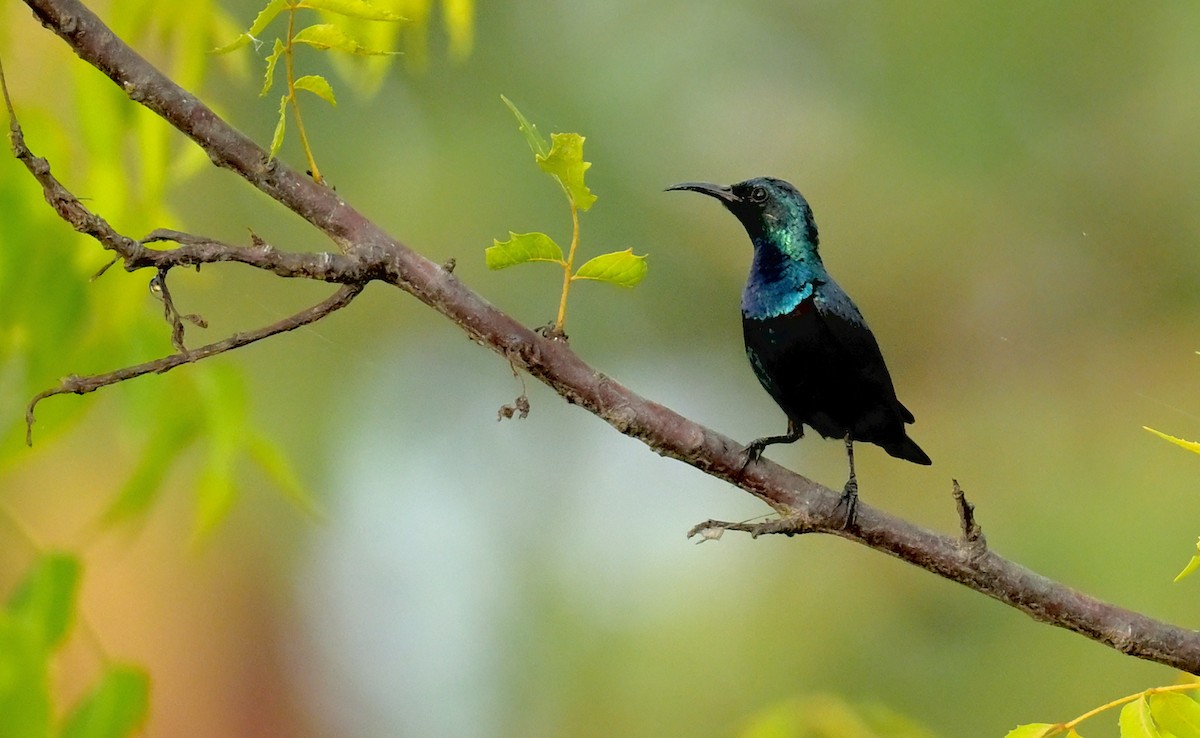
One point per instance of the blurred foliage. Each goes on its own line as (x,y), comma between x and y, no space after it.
(33,626)
(828,716)
(320,36)
(58,315)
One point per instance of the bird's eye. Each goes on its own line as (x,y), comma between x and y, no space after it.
(758,194)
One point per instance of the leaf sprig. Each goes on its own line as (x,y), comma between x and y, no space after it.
(321,36)
(1159,712)
(562,158)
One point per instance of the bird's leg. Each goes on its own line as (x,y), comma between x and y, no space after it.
(849,496)
(755,448)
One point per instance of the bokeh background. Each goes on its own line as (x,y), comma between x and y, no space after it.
(1010,193)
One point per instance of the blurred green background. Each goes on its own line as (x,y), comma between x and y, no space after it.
(1008,190)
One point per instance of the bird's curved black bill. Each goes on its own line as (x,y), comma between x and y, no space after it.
(724,193)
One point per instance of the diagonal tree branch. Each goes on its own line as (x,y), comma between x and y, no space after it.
(804,505)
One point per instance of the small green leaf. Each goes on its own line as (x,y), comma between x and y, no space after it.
(565,161)
(622,268)
(317,85)
(329,36)
(272,60)
(280,125)
(45,599)
(1177,713)
(1032,730)
(353,9)
(1136,721)
(264,18)
(1192,565)
(275,463)
(537,143)
(116,708)
(521,248)
(1192,446)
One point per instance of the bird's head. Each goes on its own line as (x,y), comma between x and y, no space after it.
(771,210)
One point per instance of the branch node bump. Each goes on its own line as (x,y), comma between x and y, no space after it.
(972,534)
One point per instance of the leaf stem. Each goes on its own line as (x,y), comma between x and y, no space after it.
(294,98)
(569,266)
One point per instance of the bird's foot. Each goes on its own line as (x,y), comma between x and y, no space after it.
(753,452)
(849,500)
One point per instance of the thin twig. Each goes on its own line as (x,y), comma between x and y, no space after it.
(83,385)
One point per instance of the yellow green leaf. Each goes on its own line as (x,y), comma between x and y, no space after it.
(537,143)
(622,268)
(329,36)
(1192,446)
(280,125)
(272,60)
(565,161)
(317,85)
(264,18)
(1136,721)
(1177,713)
(521,248)
(1192,565)
(353,9)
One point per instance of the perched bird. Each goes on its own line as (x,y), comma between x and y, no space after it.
(806,340)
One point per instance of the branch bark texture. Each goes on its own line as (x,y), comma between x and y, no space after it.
(366,253)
